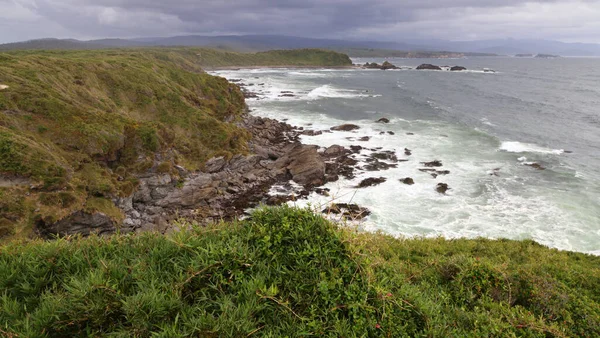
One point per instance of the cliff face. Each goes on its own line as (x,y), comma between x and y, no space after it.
(77,129)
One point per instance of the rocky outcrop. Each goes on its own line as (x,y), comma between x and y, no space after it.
(80,223)
(457,69)
(345,127)
(408,181)
(442,188)
(371,181)
(428,66)
(348,211)
(383,120)
(384,66)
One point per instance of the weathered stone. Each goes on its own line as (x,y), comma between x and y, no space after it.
(442,188)
(383,120)
(408,181)
(345,127)
(371,181)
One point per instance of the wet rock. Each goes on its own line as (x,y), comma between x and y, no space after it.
(391,133)
(407,152)
(385,155)
(428,66)
(311,132)
(364,138)
(371,181)
(356,149)
(410,134)
(535,166)
(457,68)
(335,150)
(378,166)
(348,211)
(304,164)
(287,95)
(383,120)
(435,163)
(408,181)
(280,199)
(345,127)
(442,188)
(323,191)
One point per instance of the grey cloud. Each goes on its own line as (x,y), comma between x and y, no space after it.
(375,19)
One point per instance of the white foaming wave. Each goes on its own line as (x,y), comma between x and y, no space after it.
(308,74)
(519,147)
(328,91)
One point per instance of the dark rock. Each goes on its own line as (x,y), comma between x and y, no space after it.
(386,65)
(407,152)
(372,181)
(383,120)
(442,188)
(391,133)
(80,223)
(408,181)
(280,199)
(457,68)
(348,211)
(287,95)
(428,67)
(365,138)
(535,166)
(409,134)
(323,191)
(385,155)
(356,149)
(286,92)
(311,132)
(435,163)
(379,166)
(345,127)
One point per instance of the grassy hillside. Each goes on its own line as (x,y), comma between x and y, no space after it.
(77,126)
(288,272)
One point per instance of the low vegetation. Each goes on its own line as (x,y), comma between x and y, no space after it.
(289,272)
(76,127)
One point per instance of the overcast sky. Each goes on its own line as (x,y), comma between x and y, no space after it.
(390,20)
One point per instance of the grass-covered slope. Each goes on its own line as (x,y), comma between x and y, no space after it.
(77,126)
(290,273)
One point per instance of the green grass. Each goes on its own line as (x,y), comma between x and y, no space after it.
(288,272)
(86,122)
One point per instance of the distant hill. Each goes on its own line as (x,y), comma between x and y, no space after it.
(254,43)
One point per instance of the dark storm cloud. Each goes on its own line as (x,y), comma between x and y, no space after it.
(375,19)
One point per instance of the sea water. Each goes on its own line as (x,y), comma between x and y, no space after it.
(486,128)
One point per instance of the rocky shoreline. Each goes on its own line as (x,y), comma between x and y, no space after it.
(225,188)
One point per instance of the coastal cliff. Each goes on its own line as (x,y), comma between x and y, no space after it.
(106,141)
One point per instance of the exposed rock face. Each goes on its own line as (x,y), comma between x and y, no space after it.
(224,188)
(79,223)
(384,66)
(383,120)
(369,182)
(427,66)
(345,127)
(457,68)
(304,164)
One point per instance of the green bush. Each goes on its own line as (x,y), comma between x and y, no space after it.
(288,272)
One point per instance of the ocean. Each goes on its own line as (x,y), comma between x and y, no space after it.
(487,129)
